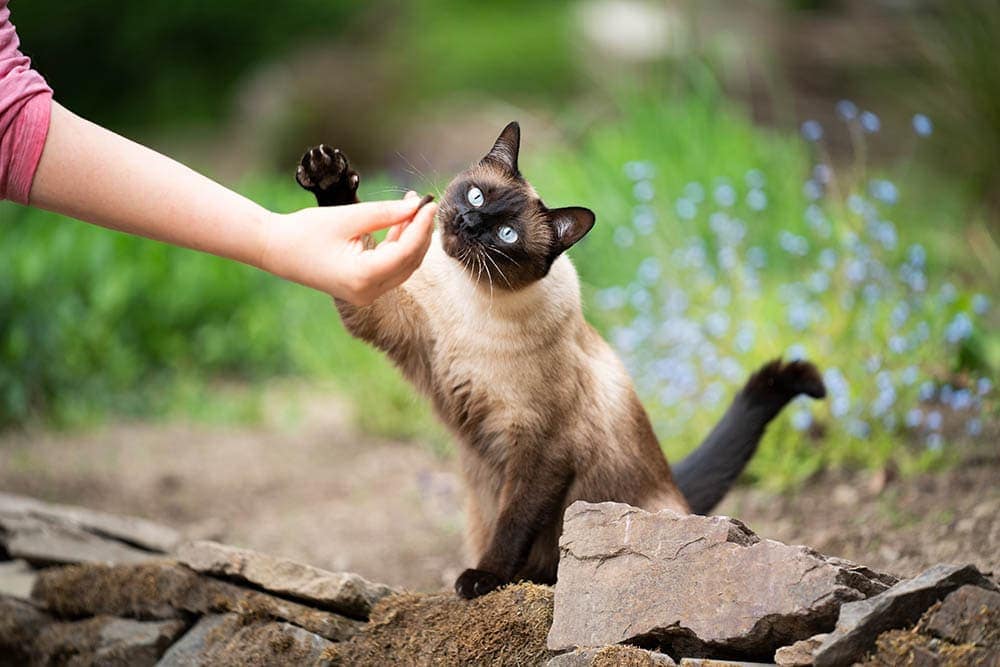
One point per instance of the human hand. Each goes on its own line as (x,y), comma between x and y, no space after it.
(326,248)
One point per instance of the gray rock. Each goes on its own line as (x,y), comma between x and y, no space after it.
(107,641)
(45,543)
(166,590)
(16,579)
(131,530)
(860,623)
(343,592)
(231,640)
(20,623)
(970,615)
(611,655)
(799,654)
(697,586)
(713,662)
(189,650)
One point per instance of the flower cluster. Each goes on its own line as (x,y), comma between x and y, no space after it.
(844,288)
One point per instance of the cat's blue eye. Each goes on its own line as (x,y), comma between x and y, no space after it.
(507,234)
(475,196)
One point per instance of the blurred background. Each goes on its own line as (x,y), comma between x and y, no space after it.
(803,178)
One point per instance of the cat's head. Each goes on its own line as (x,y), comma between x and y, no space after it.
(493,222)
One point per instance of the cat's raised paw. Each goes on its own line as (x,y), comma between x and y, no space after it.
(472,583)
(326,173)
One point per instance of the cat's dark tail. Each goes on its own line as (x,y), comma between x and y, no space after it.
(708,472)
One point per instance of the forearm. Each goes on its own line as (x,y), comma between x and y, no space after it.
(94,175)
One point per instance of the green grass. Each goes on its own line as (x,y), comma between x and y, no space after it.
(97,325)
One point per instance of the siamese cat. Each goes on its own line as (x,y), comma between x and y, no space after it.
(490,329)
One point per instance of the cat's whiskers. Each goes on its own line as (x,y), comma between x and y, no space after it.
(415,171)
(497,267)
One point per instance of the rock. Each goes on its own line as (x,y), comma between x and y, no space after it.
(861,622)
(131,530)
(343,592)
(229,639)
(696,586)
(711,662)
(190,649)
(20,623)
(611,656)
(16,579)
(45,543)
(105,640)
(910,648)
(970,615)
(799,654)
(165,590)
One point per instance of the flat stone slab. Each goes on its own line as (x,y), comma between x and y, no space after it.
(861,622)
(165,590)
(16,579)
(696,586)
(229,639)
(105,640)
(970,615)
(343,592)
(799,654)
(138,532)
(44,542)
(611,656)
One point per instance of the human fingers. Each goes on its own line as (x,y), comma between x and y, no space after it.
(368,217)
(388,261)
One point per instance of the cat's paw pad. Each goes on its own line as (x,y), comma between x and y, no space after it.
(472,583)
(326,170)
(787,380)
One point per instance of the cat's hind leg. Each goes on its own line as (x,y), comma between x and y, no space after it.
(327,173)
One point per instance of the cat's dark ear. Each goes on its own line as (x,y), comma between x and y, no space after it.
(570,225)
(505,150)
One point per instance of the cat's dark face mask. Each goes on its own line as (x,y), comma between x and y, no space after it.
(494,224)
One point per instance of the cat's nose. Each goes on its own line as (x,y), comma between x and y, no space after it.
(468,220)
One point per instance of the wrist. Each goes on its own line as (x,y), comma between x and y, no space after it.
(268,226)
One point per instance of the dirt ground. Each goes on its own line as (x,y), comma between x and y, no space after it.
(306,485)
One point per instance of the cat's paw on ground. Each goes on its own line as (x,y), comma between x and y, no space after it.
(326,173)
(472,583)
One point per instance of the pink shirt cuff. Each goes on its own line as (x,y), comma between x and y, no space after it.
(29,132)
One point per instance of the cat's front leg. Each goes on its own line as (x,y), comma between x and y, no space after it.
(531,502)
(326,173)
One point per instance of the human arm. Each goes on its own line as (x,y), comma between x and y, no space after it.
(95,175)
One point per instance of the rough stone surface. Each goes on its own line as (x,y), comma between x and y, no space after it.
(799,654)
(165,590)
(190,648)
(105,640)
(970,615)
(909,648)
(20,623)
(343,592)
(692,585)
(861,622)
(45,543)
(611,656)
(230,639)
(138,532)
(711,662)
(16,579)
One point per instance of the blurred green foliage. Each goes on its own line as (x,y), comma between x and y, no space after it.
(164,62)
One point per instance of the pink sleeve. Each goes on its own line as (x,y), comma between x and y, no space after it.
(25,104)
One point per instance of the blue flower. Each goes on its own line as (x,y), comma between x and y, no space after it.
(840,406)
(801,420)
(756,200)
(743,341)
(870,123)
(641,300)
(812,130)
(961,400)
(644,219)
(934,442)
(796,353)
(643,190)
(959,328)
(922,125)
(914,417)
(757,257)
(694,192)
(819,282)
(611,298)
(637,171)
(916,255)
(934,420)
(858,428)
(974,426)
(980,304)
(812,189)
(847,110)
(685,208)
(927,390)
(883,190)
(828,259)
(822,173)
(624,237)
(983,386)
(717,323)
(754,178)
(909,375)
(725,195)
(900,314)
(898,344)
